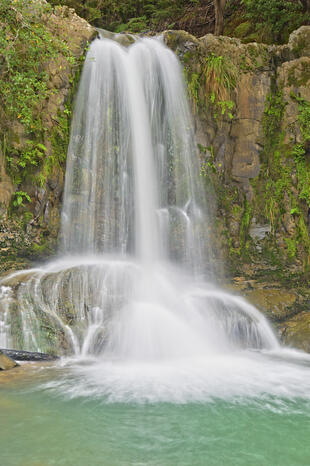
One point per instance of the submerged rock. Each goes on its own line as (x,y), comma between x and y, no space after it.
(6,362)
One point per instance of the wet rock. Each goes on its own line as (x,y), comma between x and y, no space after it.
(258,231)
(286,309)
(293,79)
(296,331)
(181,42)
(276,304)
(19,355)
(6,362)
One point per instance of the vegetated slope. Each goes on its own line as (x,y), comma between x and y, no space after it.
(268,21)
(194,16)
(40,51)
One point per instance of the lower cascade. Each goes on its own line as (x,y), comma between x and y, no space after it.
(133,290)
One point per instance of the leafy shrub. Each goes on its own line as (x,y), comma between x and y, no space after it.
(220,77)
(19,197)
(130,15)
(276,19)
(134,25)
(26,47)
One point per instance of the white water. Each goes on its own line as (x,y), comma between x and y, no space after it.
(131,287)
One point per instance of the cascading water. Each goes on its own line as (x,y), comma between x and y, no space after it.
(133,287)
(132,183)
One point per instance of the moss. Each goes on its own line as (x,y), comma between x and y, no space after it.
(299,75)
(253,37)
(29,162)
(299,46)
(245,225)
(275,200)
(291,247)
(29,47)
(39,251)
(242,29)
(175,39)
(236,210)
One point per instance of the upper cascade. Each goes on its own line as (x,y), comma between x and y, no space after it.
(132,180)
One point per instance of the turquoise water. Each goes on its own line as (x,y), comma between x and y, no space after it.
(40,426)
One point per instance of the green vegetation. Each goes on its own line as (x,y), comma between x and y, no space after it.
(252,20)
(26,47)
(301,150)
(274,20)
(245,225)
(37,67)
(220,76)
(267,21)
(20,197)
(213,84)
(281,199)
(132,15)
(276,168)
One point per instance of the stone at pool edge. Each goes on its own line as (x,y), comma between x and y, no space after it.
(20,355)
(6,362)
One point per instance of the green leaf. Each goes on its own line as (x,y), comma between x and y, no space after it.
(42,147)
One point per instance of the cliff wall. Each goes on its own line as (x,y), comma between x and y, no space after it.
(251,105)
(41,52)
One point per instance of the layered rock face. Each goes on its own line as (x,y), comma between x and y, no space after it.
(251,105)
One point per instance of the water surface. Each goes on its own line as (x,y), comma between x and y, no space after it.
(43,422)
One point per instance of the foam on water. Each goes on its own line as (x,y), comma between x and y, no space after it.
(276,380)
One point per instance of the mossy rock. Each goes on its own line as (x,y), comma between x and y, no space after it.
(181,41)
(296,331)
(276,304)
(296,72)
(299,42)
(242,30)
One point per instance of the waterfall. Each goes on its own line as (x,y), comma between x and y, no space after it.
(133,278)
(132,183)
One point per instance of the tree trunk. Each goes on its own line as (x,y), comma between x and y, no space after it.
(219,6)
(306,6)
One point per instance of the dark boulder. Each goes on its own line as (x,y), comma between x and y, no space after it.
(19,355)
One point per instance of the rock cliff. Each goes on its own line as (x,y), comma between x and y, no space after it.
(251,105)
(42,56)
